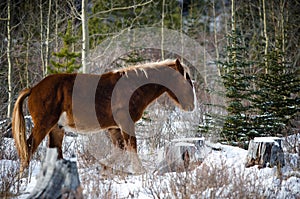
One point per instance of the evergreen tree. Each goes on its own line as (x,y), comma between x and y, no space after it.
(67,59)
(237,81)
(277,100)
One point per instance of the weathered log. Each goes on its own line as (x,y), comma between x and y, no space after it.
(265,151)
(57,179)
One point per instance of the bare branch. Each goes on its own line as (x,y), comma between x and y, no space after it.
(76,14)
(122,8)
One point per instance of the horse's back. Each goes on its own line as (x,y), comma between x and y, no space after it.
(50,95)
(52,86)
(86,100)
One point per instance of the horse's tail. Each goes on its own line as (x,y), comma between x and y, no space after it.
(19,129)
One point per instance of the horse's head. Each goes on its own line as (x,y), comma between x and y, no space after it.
(184,93)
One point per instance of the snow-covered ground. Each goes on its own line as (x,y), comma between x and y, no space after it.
(222,174)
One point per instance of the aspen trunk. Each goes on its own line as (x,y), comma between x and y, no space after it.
(216,38)
(162,30)
(265,35)
(42,38)
(9,74)
(85,35)
(47,55)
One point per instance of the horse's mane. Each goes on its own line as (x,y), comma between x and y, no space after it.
(144,67)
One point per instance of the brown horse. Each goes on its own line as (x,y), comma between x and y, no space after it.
(87,103)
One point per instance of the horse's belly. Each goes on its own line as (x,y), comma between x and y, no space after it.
(81,130)
(78,125)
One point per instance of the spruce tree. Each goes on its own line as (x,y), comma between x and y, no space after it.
(238,83)
(67,60)
(277,100)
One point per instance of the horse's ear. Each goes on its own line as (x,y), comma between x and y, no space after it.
(179,67)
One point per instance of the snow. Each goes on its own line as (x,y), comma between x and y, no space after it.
(267,139)
(184,144)
(222,174)
(188,139)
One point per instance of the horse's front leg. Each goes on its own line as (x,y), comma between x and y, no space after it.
(116,138)
(131,149)
(126,129)
(122,140)
(130,142)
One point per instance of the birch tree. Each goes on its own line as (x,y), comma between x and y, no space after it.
(265,35)
(85,36)
(42,38)
(47,47)
(162,29)
(9,62)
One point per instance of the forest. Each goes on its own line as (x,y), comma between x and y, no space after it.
(243,56)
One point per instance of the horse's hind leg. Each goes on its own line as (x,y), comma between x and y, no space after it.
(56,136)
(39,132)
(127,144)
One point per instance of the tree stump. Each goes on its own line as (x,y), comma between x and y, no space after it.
(265,151)
(181,155)
(57,179)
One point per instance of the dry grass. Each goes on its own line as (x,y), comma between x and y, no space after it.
(9,178)
(206,181)
(214,181)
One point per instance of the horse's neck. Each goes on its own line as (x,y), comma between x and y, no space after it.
(145,96)
(153,92)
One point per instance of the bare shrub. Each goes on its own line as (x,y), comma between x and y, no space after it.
(206,181)
(9,176)
(95,180)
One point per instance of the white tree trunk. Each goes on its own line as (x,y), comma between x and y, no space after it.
(162,30)
(42,38)
(85,36)
(9,74)
(265,35)
(216,38)
(233,29)
(56,26)
(47,57)
(27,62)
(282,22)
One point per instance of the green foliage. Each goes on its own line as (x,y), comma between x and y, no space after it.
(261,104)
(277,100)
(238,83)
(131,58)
(68,60)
